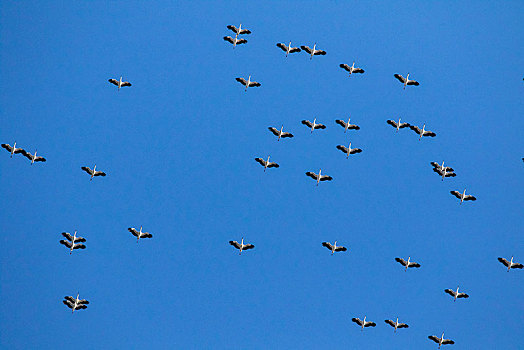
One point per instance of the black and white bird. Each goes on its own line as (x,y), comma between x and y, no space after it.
(347,125)
(363,323)
(119,83)
(441,341)
(139,234)
(266,163)
(313,125)
(235,41)
(398,125)
(319,177)
(12,150)
(406,80)
(73,242)
(510,264)
(463,196)
(280,133)
(33,157)
(334,247)
(288,48)
(239,30)
(396,324)
(455,294)
(351,69)
(442,170)
(93,172)
(247,83)
(422,132)
(348,150)
(241,246)
(75,303)
(407,263)
(312,51)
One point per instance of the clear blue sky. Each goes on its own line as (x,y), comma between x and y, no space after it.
(178,148)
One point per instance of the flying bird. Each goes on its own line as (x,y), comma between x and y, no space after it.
(235,41)
(422,132)
(312,51)
(280,133)
(347,125)
(75,303)
(396,324)
(334,248)
(93,172)
(441,341)
(444,173)
(247,83)
(319,177)
(239,30)
(441,166)
(398,125)
(12,150)
(73,242)
(408,263)
(348,150)
(119,83)
(463,196)
(510,264)
(288,48)
(455,294)
(32,157)
(363,323)
(313,125)
(139,234)
(266,163)
(351,69)
(241,246)
(406,80)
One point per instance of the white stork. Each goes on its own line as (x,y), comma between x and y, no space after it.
(312,51)
(455,294)
(408,263)
(73,242)
(348,150)
(266,163)
(319,177)
(280,133)
(119,83)
(444,171)
(241,246)
(463,196)
(441,341)
(288,48)
(406,80)
(363,323)
(75,303)
(351,69)
(33,157)
(396,324)
(12,150)
(139,234)
(333,247)
(247,83)
(235,41)
(398,125)
(510,264)
(313,125)
(239,30)
(347,125)
(93,172)
(422,132)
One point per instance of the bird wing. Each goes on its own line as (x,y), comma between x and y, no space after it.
(320,52)
(254,83)
(245,31)
(504,261)
(429,133)
(261,161)
(341,123)
(69,298)
(370,324)
(7,147)
(235,244)
(516,266)
(353,127)
(26,154)
(80,307)
(80,239)
(66,243)
(320,126)
(287,134)
(415,129)
(327,245)
(83,302)
(404,125)
(79,246)
(390,322)
(413,264)
(40,159)
(392,123)
(434,338)
(230,39)
(241,41)
(233,28)
(133,231)
(462,295)
(450,175)
(68,303)
(435,164)
(456,194)
(87,170)
(282,46)
(402,325)
(100,173)
(307,123)
(342,148)
(306,48)
(241,81)
(400,78)
(248,246)
(125,83)
(273,165)
(67,235)
(311,175)
(146,235)
(355,150)
(345,67)
(294,49)
(438,171)
(113,81)
(447,341)
(325,178)
(274,130)
(470,198)
(357,321)
(401,261)
(450,292)
(413,82)
(341,249)
(358,70)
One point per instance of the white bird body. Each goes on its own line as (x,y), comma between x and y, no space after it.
(510,264)
(280,133)
(406,81)
(93,172)
(363,323)
(13,150)
(333,247)
(139,234)
(455,294)
(313,125)
(288,48)
(348,150)
(319,177)
(398,125)
(312,51)
(33,158)
(347,125)
(407,263)
(119,83)
(247,83)
(463,196)
(396,324)
(351,69)
(266,163)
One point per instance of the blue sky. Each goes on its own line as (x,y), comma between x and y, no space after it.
(178,148)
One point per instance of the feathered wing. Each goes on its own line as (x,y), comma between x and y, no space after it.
(392,123)
(447,341)
(311,175)
(341,249)
(133,231)
(254,83)
(306,48)
(87,170)
(325,178)
(470,198)
(229,39)
(79,246)
(233,28)
(260,161)
(286,134)
(358,70)
(274,131)
(402,325)
(273,165)
(357,321)
(370,324)
(341,123)
(345,67)
(66,243)
(413,82)
(113,81)
(99,173)
(282,46)
(125,83)
(434,338)
(517,266)
(146,235)
(307,123)
(456,194)
(390,322)
(355,150)
(342,148)
(429,133)
(241,41)
(320,52)
(415,129)
(68,303)
(67,235)
(40,159)
(320,126)
(235,244)
(400,78)
(7,147)
(504,261)
(294,49)
(414,264)
(450,292)
(241,81)
(401,261)
(248,246)
(83,302)
(462,295)
(327,245)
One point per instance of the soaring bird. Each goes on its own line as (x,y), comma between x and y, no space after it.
(396,324)
(333,247)
(288,48)
(119,83)
(455,294)
(32,157)
(312,51)
(266,163)
(280,133)
(241,246)
(319,177)
(75,303)
(313,125)
(239,30)
(422,132)
(247,83)
(441,166)
(348,150)
(235,41)
(12,150)
(444,173)
(93,172)
(510,264)
(347,125)
(363,323)
(406,80)
(139,234)
(73,242)
(398,125)
(463,196)
(441,341)
(351,69)
(408,263)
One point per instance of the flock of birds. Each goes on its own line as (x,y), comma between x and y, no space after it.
(74,242)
